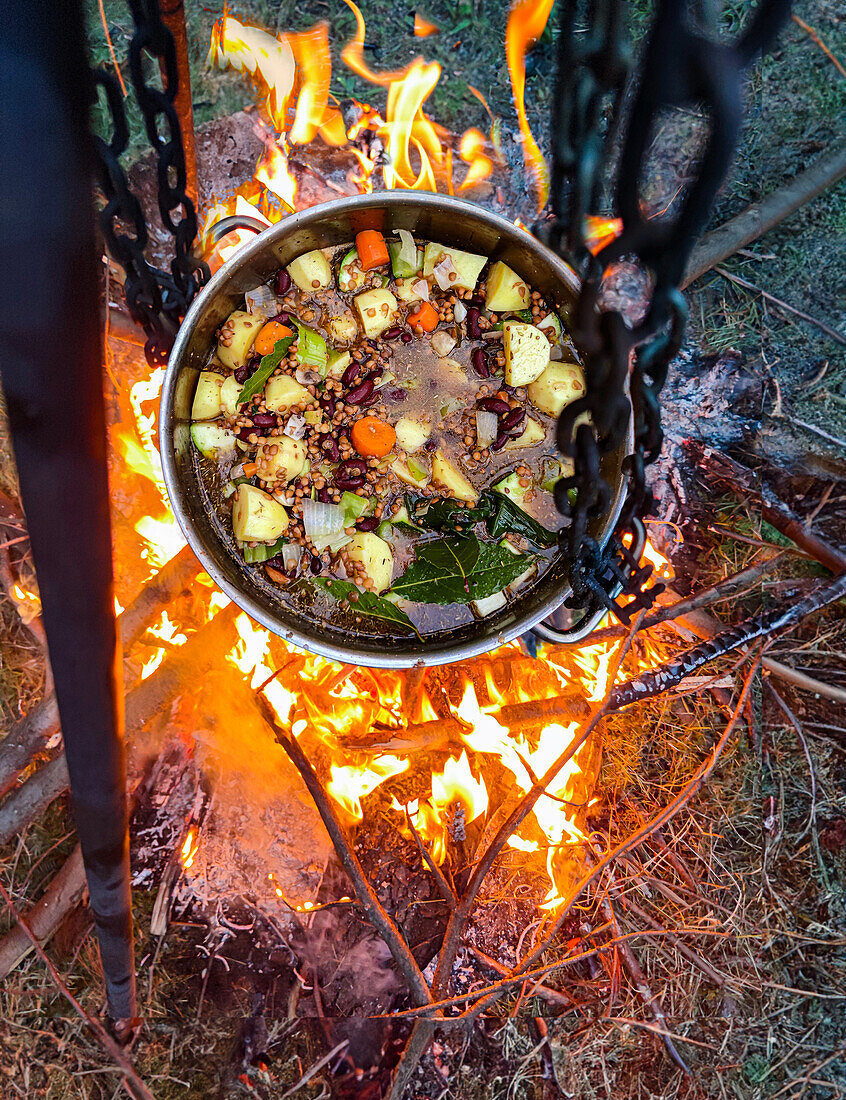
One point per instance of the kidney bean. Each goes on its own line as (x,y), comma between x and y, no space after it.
(368,401)
(264,420)
(283,318)
(480,363)
(494,405)
(328,404)
(348,483)
(330,449)
(374,375)
(430,445)
(500,441)
(396,394)
(359,393)
(514,419)
(242,374)
(473,330)
(353,467)
(324,496)
(282,282)
(245,433)
(314,563)
(393,333)
(369,523)
(350,373)
(406,337)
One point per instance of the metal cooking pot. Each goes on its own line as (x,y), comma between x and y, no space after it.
(429,217)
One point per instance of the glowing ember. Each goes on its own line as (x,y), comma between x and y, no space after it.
(526,22)
(423,28)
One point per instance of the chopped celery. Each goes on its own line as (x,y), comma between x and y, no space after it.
(255,555)
(353,506)
(350,275)
(417,469)
(404,256)
(311,349)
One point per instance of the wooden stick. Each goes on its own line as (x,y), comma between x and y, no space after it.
(551,996)
(747,487)
(45,917)
(762,216)
(26,739)
(29,800)
(157,595)
(838,337)
(376,914)
(131,1081)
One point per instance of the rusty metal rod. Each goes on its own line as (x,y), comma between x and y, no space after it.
(173,17)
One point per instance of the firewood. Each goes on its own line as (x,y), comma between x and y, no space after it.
(47,914)
(26,739)
(29,801)
(157,595)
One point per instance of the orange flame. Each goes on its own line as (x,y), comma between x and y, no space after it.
(423,28)
(471,151)
(311,50)
(406,126)
(526,22)
(268,59)
(353,54)
(189,848)
(601,231)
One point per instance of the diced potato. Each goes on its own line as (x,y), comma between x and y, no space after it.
(445,474)
(338,362)
(230,391)
(288,462)
(451,370)
(403,288)
(343,329)
(505,289)
(283,392)
(412,434)
(311,272)
(375,555)
(557,386)
(405,474)
(207,396)
(377,310)
(526,353)
(468,266)
(256,516)
(237,334)
(532,434)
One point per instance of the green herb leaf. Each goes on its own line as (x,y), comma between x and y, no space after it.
(254,555)
(435,514)
(504,517)
(368,603)
(459,569)
(255,383)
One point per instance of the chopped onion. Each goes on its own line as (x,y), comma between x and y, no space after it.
(486,428)
(489,604)
(296,426)
(442,271)
(306,377)
(421,289)
(408,250)
(237,470)
(262,302)
(459,311)
(453,405)
(321,520)
(442,343)
(385,380)
(292,553)
(556,353)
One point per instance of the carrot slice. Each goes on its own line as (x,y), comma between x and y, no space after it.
(268,335)
(424,319)
(372,437)
(372,249)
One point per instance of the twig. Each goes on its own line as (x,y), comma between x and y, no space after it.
(131,1081)
(551,996)
(760,217)
(744,484)
(316,1068)
(814,36)
(62,895)
(692,956)
(800,734)
(708,596)
(376,914)
(838,337)
(658,680)
(821,432)
(118,73)
(447,892)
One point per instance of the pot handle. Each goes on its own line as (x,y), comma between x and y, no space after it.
(234,221)
(587,625)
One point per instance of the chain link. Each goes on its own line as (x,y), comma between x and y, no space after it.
(681,67)
(157,300)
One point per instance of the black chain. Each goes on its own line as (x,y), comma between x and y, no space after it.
(157,300)
(680,68)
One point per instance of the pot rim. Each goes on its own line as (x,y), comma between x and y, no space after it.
(442,652)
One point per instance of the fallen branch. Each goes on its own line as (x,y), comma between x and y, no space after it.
(760,217)
(745,485)
(131,1081)
(658,680)
(376,914)
(29,800)
(46,916)
(838,337)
